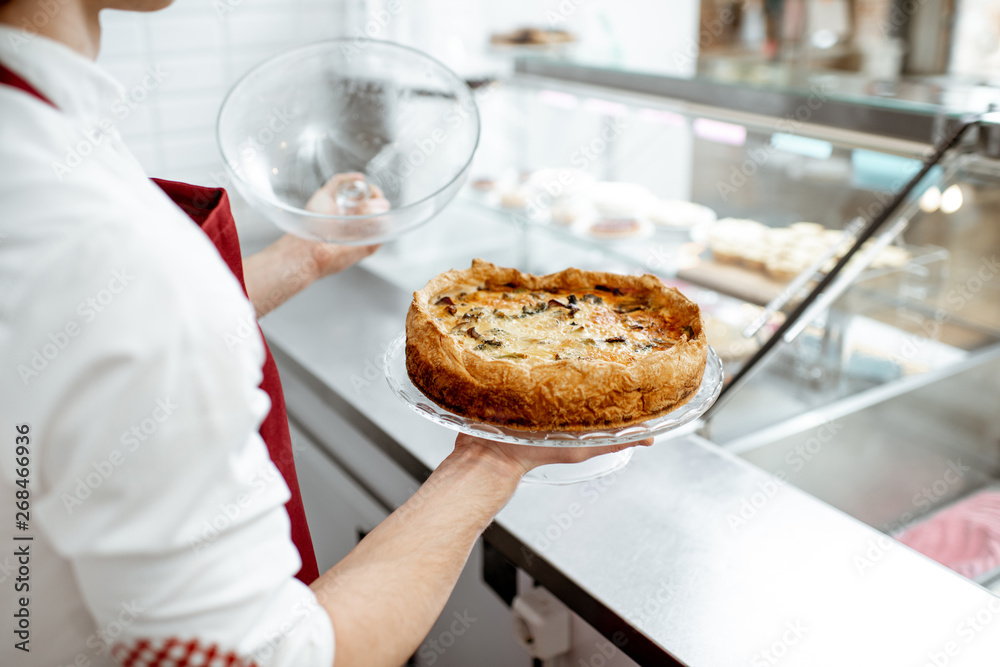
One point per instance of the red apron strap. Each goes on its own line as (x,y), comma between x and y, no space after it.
(209,208)
(9,78)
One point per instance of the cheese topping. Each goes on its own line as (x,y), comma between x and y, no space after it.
(514,323)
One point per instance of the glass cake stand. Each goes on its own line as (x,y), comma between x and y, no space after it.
(711,384)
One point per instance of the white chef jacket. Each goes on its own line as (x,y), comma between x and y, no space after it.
(158,522)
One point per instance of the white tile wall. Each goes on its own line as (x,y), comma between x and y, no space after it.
(203,46)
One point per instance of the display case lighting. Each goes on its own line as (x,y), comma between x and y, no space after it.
(930,201)
(720,132)
(952,199)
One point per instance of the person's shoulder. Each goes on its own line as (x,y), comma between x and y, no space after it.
(68,226)
(33,133)
(126,263)
(52,180)
(100,245)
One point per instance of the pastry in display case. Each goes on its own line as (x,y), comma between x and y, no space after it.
(680,214)
(483,184)
(567,211)
(575,200)
(515,197)
(529,36)
(782,253)
(620,210)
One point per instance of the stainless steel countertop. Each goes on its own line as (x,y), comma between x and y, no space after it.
(705,556)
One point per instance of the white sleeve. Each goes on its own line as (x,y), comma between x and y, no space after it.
(152,479)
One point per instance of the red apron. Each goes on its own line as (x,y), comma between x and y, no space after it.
(209,209)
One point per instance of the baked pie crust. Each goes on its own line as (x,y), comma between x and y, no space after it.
(574,350)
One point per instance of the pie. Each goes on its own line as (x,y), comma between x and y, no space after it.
(616,228)
(680,214)
(532,36)
(570,351)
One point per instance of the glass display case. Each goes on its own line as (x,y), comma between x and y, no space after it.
(938,57)
(879,391)
(733,205)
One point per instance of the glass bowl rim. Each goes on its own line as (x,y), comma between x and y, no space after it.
(271,200)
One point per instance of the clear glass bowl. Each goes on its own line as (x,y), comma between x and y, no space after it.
(396,115)
(394,366)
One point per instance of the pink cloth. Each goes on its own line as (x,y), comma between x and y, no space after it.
(964,537)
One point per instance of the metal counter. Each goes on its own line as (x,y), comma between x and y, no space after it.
(687,556)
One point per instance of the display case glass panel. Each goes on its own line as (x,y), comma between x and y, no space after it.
(881,393)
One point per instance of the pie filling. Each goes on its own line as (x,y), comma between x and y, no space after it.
(510,322)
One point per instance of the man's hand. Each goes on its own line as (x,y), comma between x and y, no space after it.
(290,264)
(329,257)
(324,200)
(384,596)
(315,259)
(516,460)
